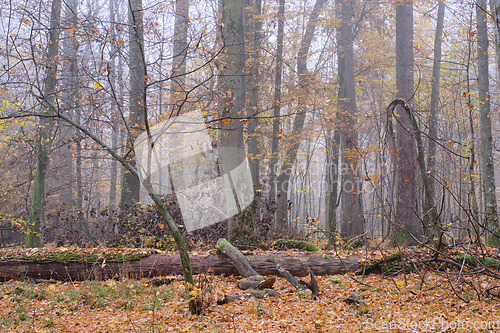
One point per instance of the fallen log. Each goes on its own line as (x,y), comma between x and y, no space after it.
(238,259)
(169,264)
(260,294)
(298,284)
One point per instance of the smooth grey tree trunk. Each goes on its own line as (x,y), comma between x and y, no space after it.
(406,218)
(179,58)
(114,102)
(303,74)
(255,24)
(137,98)
(434,107)
(332,167)
(34,235)
(351,219)
(488,168)
(273,162)
(241,228)
(495,14)
(71,101)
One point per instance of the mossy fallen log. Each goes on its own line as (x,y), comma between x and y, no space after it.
(381,266)
(163,264)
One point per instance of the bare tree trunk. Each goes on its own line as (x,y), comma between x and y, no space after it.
(298,124)
(406,194)
(472,199)
(137,101)
(34,235)
(488,168)
(179,57)
(273,163)
(434,107)
(352,220)
(113,10)
(255,24)
(495,14)
(241,228)
(71,102)
(332,167)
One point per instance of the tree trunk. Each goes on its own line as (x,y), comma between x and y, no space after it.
(406,194)
(34,235)
(332,168)
(352,220)
(179,57)
(273,163)
(255,24)
(241,228)
(298,123)
(434,107)
(169,264)
(137,101)
(71,97)
(270,208)
(495,14)
(488,168)
(114,102)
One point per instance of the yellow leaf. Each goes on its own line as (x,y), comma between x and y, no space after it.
(195,292)
(6,103)
(97,85)
(119,42)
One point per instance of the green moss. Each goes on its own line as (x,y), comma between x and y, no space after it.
(68,256)
(382,266)
(298,244)
(472,260)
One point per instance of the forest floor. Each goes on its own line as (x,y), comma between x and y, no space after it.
(419,301)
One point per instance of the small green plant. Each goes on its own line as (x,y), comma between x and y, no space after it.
(259,309)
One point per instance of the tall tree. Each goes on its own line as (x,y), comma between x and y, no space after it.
(255,27)
(34,235)
(241,226)
(406,195)
(113,9)
(434,107)
(352,220)
(179,57)
(283,180)
(71,98)
(277,101)
(488,168)
(137,98)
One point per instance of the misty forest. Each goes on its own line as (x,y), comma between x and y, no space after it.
(354,141)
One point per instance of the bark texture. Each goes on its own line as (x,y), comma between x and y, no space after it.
(352,221)
(34,235)
(169,264)
(241,228)
(488,168)
(137,98)
(406,195)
